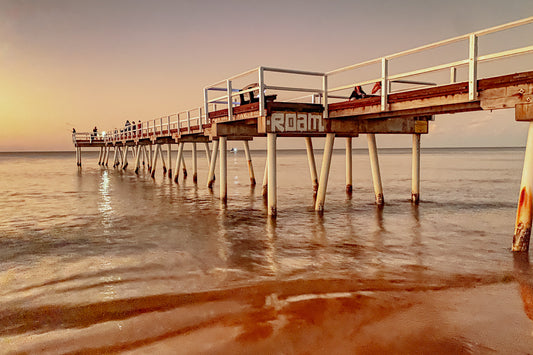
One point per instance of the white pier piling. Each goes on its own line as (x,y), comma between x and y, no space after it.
(100,155)
(194,164)
(154,160)
(107,156)
(415,179)
(162,156)
(249,161)
(151,159)
(207,154)
(223,170)
(272,175)
(522,231)
(349,173)
(169,158)
(324,172)
(374,164)
(212,165)
(125,158)
(138,159)
(264,189)
(312,163)
(179,158)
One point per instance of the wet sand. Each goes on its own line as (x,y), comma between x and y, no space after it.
(299,317)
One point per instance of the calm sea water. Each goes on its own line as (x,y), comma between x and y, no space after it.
(83,249)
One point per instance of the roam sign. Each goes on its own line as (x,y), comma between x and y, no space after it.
(295,122)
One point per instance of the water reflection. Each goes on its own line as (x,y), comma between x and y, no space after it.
(104,203)
(524,275)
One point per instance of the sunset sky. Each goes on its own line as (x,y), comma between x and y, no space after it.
(66,64)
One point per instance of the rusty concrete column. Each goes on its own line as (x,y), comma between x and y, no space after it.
(249,161)
(349,174)
(415,171)
(522,231)
(312,163)
(324,172)
(374,164)
(272,178)
(223,169)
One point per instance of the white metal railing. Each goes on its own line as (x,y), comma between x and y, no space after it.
(197,117)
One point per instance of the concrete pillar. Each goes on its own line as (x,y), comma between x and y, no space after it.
(154,160)
(415,172)
(207,154)
(374,164)
(107,156)
(223,170)
(194,164)
(169,158)
(272,175)
(264,190)
(522,231)
(349,173)
(151,159)
(100,155)
(115,150)
(125,158)
(249,160)
(184,167)
(212,165)
(324,172)
(162,156)
(138,159)
(312,163)
(179,158)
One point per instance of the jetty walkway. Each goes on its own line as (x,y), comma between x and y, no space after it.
(404,102)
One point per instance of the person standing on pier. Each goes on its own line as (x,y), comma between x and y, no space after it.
(357,93)
(94,134)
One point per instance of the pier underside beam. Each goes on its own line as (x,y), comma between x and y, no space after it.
(324,172)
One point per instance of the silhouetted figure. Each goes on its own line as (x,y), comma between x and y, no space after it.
(358,93)
(94,134)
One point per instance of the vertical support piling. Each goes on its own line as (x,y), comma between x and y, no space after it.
(312,163)
(100,154)
(223,170)
(349,173)
(151,159)
(162,156)
(137,159)
(194,164)
(169,156)
(272,175)
(179,158)
(522,231)
(125,158)
(207,154)
(154,160)
(184,167)
(249,161)
(415,172)
(374,163)
(264,189)
(107,156)
(212,165)
(324,172)
(115,150)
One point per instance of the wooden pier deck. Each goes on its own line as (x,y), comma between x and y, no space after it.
(260,110)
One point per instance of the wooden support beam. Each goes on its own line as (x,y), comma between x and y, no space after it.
(524,112)
(403,125)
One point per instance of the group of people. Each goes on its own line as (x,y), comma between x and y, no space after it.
(358,92)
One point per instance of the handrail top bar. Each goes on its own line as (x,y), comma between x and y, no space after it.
(248,72)
(436,44)
(293,71)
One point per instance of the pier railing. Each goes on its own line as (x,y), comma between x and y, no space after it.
(196,118)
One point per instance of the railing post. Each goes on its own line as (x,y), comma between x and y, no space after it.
(472,68)
(161,126)
(325,95)
(453,75)
(384,83)
(261,92)
(188,122)
(168,125)
(206,105)
(201,126)
(230,100)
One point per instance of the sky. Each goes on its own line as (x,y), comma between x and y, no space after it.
(71,63)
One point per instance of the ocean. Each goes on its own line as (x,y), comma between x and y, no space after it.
(101,260)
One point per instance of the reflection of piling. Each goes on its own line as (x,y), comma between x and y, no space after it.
(374,163)
(272,178)
(522,232)
(415,180)
(249,161)
(324,172)
(223,169)
(312,164)
(349,174)
(212,165)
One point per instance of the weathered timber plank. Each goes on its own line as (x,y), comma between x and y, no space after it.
(524,112)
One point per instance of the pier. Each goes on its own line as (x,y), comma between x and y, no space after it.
(295,103)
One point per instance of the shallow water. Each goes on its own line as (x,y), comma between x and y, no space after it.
(159,266)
